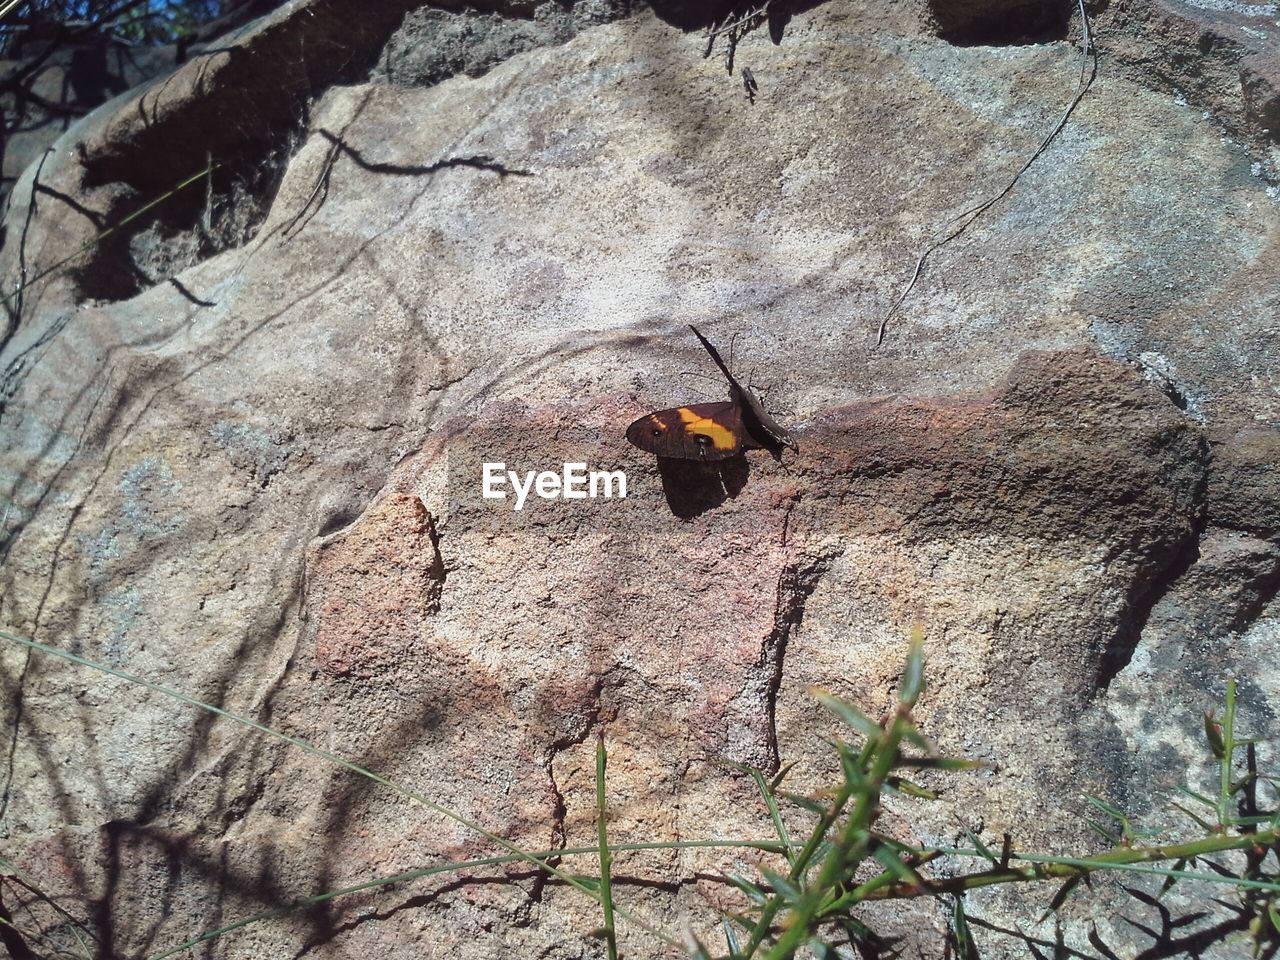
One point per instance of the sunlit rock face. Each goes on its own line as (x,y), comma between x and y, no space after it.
(244,441)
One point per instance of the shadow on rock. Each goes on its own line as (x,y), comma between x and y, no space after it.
(692,487)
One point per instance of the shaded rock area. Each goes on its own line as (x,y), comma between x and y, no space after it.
(434,44)
(244,444)
(1219,56)
(44,99)
(55,75)
(1008,21)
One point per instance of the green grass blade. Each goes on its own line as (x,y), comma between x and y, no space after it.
(606,858)
(1103,832)
(918,740)
(1271,886)
(913,675)
(771,802)
(1228,755)
(103,234)
(1253,821)
(781,775)
(1199,821)
(783,886)
(1099,804)
(730,937)
(849,714)
(851,767)
(1213,735)
(966,949)
(806,803)
(822,851)
(752,892)
(888,858)
(907,788)
(1198,797)
(983,850)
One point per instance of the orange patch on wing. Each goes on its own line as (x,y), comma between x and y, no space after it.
(721,437)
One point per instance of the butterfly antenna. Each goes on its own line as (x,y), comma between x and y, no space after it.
(701,376)
(715,355)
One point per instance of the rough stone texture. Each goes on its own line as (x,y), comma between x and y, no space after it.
(261,483)
(1220,55)
(433,44)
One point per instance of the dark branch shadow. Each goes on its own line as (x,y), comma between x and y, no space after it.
(188,295)
(479,161)
(1055,949)
(15,309)
(1167,936)
(11,939)
(77,206)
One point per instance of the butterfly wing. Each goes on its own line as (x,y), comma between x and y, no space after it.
(755,415)
(757,418)
(700,431)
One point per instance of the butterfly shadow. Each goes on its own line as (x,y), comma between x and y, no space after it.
(692,487)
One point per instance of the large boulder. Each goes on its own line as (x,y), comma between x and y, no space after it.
(245,437)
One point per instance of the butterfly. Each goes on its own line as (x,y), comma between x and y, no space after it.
(711,431)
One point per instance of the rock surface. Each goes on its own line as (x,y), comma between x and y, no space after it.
(243,457)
